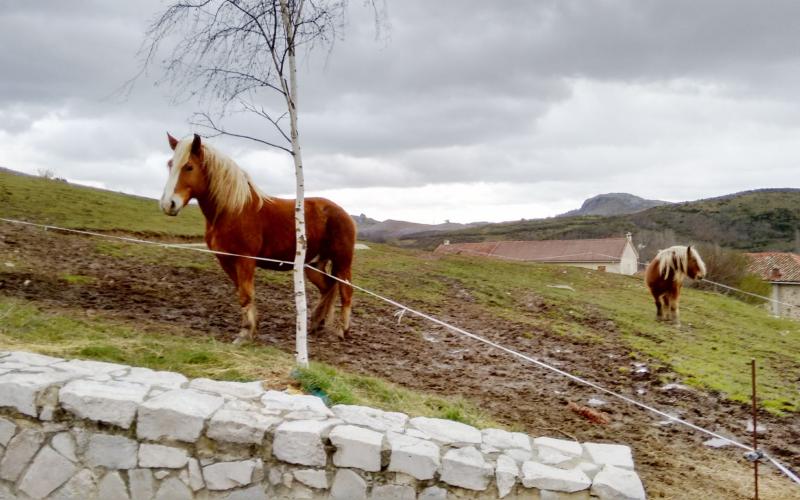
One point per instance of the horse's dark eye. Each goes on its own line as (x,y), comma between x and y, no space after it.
(188,168)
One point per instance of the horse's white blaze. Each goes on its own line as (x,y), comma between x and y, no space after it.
(170,202)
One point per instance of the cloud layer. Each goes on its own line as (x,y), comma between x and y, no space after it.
(461,110)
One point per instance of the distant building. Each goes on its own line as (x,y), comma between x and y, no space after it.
(614,255)
(782,271)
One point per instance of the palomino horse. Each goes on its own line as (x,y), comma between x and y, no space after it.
(241,220)
(665,275)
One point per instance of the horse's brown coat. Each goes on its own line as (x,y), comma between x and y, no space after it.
(265,227)
(666,279)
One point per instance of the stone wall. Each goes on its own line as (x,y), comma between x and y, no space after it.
(85,429)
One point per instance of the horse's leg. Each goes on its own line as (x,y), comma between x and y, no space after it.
(241,272)
(674,309)
(321,312)
(346,295)
(659,310)
(666,308)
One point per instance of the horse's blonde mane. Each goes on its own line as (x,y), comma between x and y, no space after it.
(676,259)
(230,187)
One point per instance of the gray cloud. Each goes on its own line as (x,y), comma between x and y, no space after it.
(558,99)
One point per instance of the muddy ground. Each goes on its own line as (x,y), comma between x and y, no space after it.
(672,460)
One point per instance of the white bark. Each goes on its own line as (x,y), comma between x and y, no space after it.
(301,304)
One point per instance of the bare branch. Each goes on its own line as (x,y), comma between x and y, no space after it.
(208,122)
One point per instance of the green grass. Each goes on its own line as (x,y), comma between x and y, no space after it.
(25,327)
(347,388)
(44,201)
(712,350)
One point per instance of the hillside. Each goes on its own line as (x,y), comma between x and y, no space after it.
(390,229)
(71,295)
(750,221)
(55,202)
(613,204)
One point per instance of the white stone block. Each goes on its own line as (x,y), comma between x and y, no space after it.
(503,440)
(64,444)
(563,446)
(315,478)
(48,471)
(111,452)
(20,450)
(617,455)
(80,487)
(159,456)
(545,477)
(173,489)
(520,456)
(416,433)
(146,376)
(228,475)
(110,402)
(433,493)
(112,487)
(589,469)
(195,475)
(179,414)
(300,442)
(233,426)
(357,447)
(466,468)
(418,458)
(87,367)
(20,390)
(238,390)
(506,474)
(447,431)
(255,492)
(347,485)
(274,401)
(29,358)
(142,485)
(392,492)
(376,420)
(615,483)
(7,431)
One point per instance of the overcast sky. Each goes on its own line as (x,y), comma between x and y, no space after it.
(460,110)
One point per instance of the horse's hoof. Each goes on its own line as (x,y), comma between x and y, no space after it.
(242,340)
(340,333)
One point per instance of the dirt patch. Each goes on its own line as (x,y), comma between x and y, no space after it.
(423,356)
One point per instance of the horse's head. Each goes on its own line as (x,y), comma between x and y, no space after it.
(695,267)
(187,176)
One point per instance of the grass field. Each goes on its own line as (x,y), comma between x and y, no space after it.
(44,201)
(712,350)
(25,327)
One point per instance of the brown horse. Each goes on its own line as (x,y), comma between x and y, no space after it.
(241,220)
(665,275)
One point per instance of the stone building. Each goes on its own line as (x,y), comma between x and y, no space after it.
(782,271)
(614,255)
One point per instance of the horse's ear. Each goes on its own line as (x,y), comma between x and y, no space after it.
(172,141)
(196,145)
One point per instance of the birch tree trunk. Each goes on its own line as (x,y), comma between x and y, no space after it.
(301,325)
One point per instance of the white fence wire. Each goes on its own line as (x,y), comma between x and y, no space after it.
(402,309)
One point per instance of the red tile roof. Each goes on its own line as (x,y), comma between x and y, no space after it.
(775,266)
(599,250)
